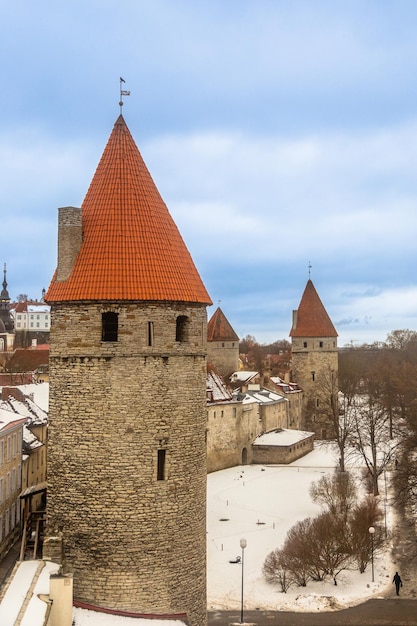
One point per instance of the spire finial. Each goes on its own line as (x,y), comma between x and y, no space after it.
(123,92)
(4,293)
(309,268)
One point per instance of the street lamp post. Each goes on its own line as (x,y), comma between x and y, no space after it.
(371,532)
(243,546)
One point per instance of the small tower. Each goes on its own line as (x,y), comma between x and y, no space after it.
(315,362)
(126,509)
(222,344)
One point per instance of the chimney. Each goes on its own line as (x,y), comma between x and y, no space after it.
(294,319)
(69,239)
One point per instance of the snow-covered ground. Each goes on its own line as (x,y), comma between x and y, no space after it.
(260,504)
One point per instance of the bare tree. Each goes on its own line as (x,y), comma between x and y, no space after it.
(372,434)
(332,546)
(297,551)
(363,516)
(401,339)
(336,492)
(275,570)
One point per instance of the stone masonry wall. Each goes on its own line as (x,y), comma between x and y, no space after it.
(230,430)
(224,355)
(311,366)
(133,542)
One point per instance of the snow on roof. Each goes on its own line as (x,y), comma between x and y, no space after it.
(28,409)
(7,418)
(40,393)
(281,437)
(216,389)
(38,308)
(30,440)
(21,596)
(243,376)
(20,591)
(286,387)
(262,396)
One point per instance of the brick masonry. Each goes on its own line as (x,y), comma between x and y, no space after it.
(133,542)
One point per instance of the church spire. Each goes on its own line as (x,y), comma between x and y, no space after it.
(5,294)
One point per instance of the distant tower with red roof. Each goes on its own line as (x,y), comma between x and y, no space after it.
(315,361)
(126,509)
(222,344)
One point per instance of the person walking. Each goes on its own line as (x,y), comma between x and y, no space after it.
(398,583)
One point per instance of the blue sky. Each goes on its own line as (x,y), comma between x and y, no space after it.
(279,133)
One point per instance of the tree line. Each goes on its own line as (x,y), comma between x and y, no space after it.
(372,405)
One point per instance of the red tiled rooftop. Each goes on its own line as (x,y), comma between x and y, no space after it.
(312,317)
(131,247)
(219,329)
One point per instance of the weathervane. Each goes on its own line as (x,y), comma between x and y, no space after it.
(123,92)
(309,268)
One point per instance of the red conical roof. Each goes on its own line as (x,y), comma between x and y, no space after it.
(219,329)
(131,248)
(312,319)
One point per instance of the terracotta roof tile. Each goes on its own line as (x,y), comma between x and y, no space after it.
(312,317)
(131,248)
(219,329)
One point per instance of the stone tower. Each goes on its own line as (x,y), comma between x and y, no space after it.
(222,344)
(127,453)
(315,362)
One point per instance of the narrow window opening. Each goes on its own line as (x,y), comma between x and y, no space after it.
(321,344)
(181,334)
(110,326)
(150,334)
(305,344)
(161,464)
(313,376)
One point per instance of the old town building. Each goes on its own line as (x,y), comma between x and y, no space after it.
(11,436)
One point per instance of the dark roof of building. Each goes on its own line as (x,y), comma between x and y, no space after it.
(131,248)
(312,319)
(219,328)
(29,360)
